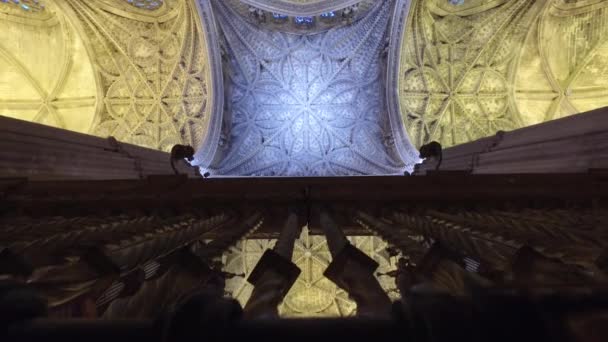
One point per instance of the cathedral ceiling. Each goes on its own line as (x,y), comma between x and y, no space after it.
(470,68)
(148,72)
(306,105)
(43,62)
(138,70)
(312,295)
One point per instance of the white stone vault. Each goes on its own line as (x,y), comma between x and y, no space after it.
(306,105)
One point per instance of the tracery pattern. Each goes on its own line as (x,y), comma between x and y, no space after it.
(456,68)
(306,105)
(312,295)
(154,71)
(302,23)
(469,70)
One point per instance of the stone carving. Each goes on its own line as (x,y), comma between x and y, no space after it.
(145,71)
(470,69)
(312,295)
(299,22)
(455,67)
(564,65)
(302,7)
(306,105)
(153,72)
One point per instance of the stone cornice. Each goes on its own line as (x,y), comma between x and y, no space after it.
(300,9)
(206,152)
(406,150)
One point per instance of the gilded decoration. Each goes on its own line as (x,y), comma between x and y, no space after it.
(469,69)
(312,295)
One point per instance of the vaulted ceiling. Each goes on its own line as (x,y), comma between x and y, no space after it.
(161,72)
(468,69)
(306,105)
(301,87)
(312,295)
(136,70)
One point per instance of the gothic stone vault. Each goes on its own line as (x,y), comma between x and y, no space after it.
(317,99)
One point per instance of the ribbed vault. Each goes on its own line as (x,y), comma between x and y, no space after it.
(306,105)
(313,295)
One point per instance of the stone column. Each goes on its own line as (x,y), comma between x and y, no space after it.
(353,271)
(274,274)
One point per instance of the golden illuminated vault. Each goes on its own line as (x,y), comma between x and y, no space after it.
(468,70)
(313,295)
(141,70)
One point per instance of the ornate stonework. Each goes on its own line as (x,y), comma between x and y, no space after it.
(146,72)
(137,70)
(154,72)
(28,6)
(470,69)
(564,65)
(456,61)
(276,20)
(312,295)
(306,105)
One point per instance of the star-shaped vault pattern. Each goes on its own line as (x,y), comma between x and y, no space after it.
(312,295)
(302,105)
